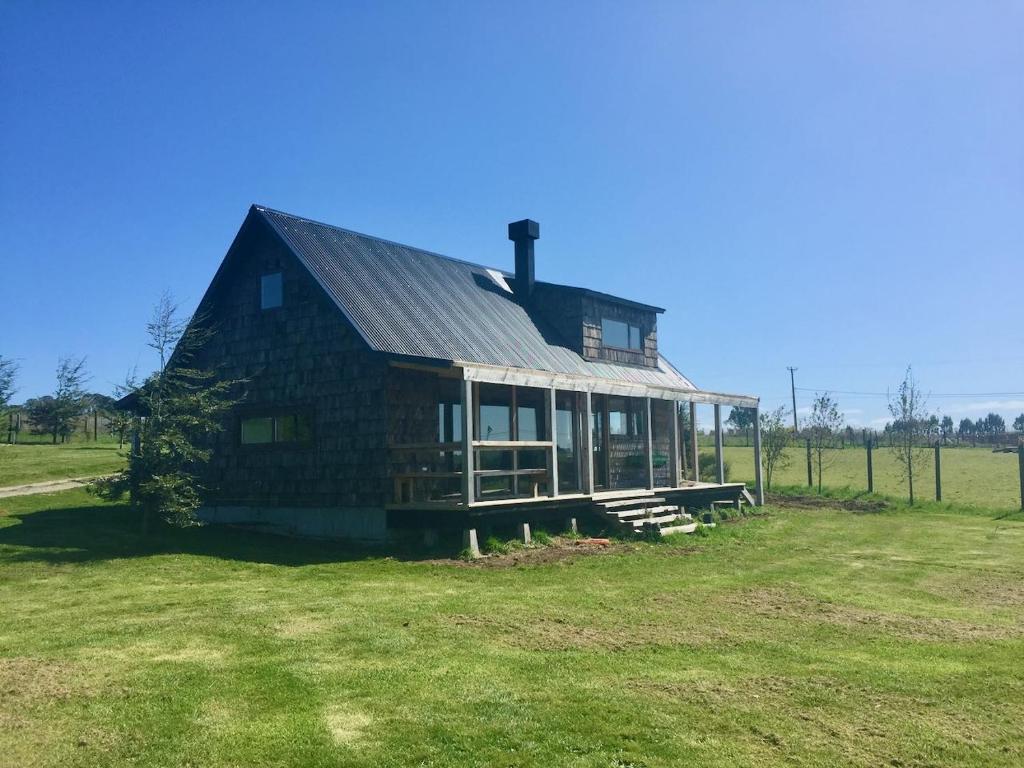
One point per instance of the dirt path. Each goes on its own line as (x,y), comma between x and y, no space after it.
(50,486)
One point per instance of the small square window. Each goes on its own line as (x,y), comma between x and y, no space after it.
(258,431)
(271,291)
(615,333)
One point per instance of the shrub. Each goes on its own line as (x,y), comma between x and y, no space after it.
(495,546)
(708,467)
(542,538)
(700,530)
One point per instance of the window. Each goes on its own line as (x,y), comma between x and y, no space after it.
(282,428)
(271,291)
(615,333)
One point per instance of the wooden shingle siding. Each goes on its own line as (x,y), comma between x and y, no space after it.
(300,356)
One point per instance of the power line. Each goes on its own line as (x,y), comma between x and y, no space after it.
(930,394)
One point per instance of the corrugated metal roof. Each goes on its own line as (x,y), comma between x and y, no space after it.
(410,302)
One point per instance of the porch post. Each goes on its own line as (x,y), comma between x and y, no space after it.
(758,481)
(552,419)
(468,486)
(693,442)
(673,448)
(588,444)
(719,456)
(650,442)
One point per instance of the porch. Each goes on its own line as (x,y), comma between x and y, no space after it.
(483,441)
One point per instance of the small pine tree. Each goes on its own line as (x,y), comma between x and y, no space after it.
(178,411)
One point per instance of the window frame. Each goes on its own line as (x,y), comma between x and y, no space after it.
(630,329)
(279,274)
(277,414)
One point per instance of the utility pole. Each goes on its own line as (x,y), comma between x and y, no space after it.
(792,385)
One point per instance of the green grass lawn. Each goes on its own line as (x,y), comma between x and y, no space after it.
(34,463)
(802,638)
(970,476)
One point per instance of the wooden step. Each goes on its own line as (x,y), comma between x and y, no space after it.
(622,514)
(750,499)
(608,495)
(654,520)
(688,528)
(630,502)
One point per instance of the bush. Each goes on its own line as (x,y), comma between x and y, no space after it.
(542,538)
(700,530)
(495,546)
(708,467)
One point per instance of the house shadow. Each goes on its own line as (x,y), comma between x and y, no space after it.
(90,533)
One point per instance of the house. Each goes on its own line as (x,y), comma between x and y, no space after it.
(390,387)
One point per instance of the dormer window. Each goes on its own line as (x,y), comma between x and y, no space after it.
(271,291)
(615,333)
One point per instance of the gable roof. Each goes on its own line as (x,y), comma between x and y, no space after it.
(410,302)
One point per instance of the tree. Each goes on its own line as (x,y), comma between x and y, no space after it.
(910,429)
(1018,424)
(995,426)
(8,374)
(826,420)
(775,439)
(742,419)
(57,415)
(946,428)
(965,430)
(121,419)
(179,410)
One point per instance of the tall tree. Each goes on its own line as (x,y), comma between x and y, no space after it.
(8,375)
(742,419)
(58,415)
(776,437)
(1018,424)
(180,409)
(121,419)
(826,420)
(908,407)
(965,429)
(946,428)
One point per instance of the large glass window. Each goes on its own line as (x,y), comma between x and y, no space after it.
(530,413)
(566,430)
(616,333)
(279,428)
(495,412)
(271,291)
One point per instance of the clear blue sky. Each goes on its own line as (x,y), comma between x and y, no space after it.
(836,186)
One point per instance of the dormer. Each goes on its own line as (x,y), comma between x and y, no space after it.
(597,326)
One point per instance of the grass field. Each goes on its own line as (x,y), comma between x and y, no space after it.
(33,463)
(803,638)
(970,476)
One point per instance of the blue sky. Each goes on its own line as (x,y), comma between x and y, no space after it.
(835,186)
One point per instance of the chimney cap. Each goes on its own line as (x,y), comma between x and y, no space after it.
(521,230)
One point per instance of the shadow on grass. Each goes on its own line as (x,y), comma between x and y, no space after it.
(88,533)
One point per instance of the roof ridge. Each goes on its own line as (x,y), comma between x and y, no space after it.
(267,209)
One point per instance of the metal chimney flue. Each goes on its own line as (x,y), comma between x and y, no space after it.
(523,233)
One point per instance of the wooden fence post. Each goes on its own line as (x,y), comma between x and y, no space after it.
(871,468)
(1020,467)
(810,468)
(938,474)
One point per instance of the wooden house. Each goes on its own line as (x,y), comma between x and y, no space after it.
(389,387)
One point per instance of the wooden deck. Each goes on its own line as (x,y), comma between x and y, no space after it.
(454,514)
